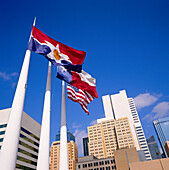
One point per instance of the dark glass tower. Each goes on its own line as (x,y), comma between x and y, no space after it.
(162,130)
(85,146)
(70,137)
(153,147)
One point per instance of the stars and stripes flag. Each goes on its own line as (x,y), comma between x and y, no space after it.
(80,96)
(81,87)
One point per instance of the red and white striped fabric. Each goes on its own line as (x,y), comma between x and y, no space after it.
(77,95)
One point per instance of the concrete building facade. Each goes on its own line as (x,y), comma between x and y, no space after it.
(158,164)
(55,153)
(93,163)
(124,157)
(28,142)
(118,106)
(121,160)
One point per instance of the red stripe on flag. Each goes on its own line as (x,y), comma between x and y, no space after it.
(79,97)
(77,82)
(76,56)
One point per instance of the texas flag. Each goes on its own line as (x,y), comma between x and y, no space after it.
(57,53)
(83,80)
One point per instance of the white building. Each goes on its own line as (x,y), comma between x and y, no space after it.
(28,142)
(118,106)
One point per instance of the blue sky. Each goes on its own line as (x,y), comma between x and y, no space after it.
(126,44)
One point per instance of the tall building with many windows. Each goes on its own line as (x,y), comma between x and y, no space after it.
(55,153)
(85,146)
(28,142)
(109,135)
(161,127)
(118,106)
(153,147)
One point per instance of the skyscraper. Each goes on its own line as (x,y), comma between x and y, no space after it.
(161,127)
(55,153)
(70,137)
(118,106)
(109,135)
(28,142)
(153,147)
(85,146)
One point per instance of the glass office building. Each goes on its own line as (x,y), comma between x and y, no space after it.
(85,146)
(162,130)
(70,137)
(153,147)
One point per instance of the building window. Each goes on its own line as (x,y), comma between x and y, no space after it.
(4,125)
(113,167)
(112,161)
(101,163)
(84,165)
(28,146)
(95,163)
(26,160)
(2,132)
(29,133)
(27,153)
(23,167)
(29,140)
(90,165)
(106,162)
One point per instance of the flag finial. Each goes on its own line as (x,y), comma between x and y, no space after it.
(34,21)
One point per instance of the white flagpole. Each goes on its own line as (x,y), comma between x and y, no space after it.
(63,161)
(43,156)
(8,153)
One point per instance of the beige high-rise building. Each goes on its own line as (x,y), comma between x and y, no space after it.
(118,106)
(55,152)
(109,135)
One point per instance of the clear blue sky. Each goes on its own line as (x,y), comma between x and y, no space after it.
(127,46)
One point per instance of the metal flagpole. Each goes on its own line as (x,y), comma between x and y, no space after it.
(63,161)
(8,153)
(43,155)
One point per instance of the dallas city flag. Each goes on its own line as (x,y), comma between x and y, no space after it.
(57,53)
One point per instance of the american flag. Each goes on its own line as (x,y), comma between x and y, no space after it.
(77,95)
